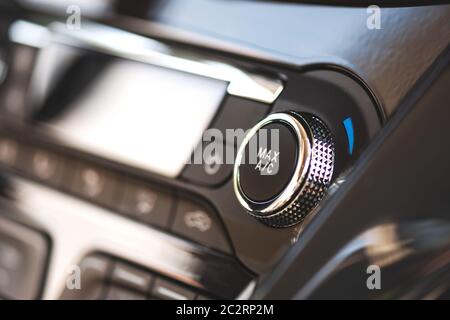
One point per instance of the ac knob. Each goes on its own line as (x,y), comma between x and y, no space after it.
(283,168)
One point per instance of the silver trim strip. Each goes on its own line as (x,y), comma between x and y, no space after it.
(247,292)
(134,47)
(78,228)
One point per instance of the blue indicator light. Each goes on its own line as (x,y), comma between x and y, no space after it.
(348,125)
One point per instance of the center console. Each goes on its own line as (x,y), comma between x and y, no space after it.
(99,158)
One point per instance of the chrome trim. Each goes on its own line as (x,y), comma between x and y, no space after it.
(247,292)
(134,47)
(301,168)
(78,228)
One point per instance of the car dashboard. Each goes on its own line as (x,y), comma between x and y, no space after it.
(125,128)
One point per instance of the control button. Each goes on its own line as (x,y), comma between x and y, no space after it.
(214,168)
(249,113)
(131,277)
(166,290)
(94,271)
(8,152)
(268,175)
(23,255)
(283,168)
(118,293)
(40,164)
(147,204)
(199,224)
(211,164)
(95,184)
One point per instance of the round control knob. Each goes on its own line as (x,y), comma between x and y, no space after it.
(283,167)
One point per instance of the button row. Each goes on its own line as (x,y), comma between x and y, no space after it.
(214,169)
(139,201)
(104,278)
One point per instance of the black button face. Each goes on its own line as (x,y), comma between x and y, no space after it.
(40,164)
(250,113)
(211,164)
(269,163)
(94,183)
(23,254)
(147,204)
(195,222)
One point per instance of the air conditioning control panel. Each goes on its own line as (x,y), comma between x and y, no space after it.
(156,133)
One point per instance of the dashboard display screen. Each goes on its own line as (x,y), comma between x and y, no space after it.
(134,113)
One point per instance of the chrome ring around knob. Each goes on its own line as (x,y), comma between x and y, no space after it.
(310,175)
